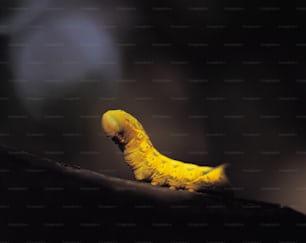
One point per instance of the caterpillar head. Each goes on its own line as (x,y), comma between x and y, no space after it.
(120,126)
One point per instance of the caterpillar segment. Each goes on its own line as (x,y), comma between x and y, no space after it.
(148,164)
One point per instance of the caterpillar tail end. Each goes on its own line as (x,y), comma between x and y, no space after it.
(217,181)
(224,185)
(224,180)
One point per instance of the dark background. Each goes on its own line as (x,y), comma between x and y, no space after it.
(211,81)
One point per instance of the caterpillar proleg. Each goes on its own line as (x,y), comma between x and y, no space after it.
(150,165)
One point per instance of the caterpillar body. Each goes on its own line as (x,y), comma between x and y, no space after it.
(150,165)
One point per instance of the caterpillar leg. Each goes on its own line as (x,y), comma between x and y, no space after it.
(191,187)
(142,173)
(155,183)
(158,179)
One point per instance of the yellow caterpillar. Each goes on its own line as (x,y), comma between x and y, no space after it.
(150,165)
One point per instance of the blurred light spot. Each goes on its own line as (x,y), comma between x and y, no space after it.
(69,51)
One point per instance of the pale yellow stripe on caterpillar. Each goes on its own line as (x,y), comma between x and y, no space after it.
(149,165)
